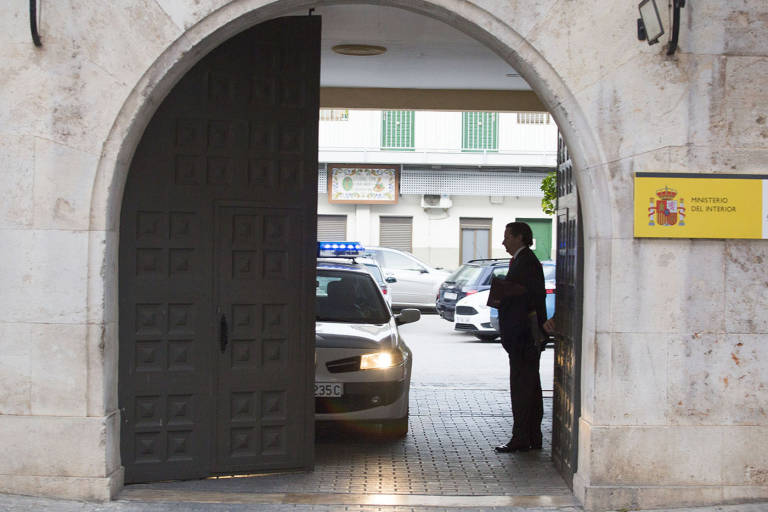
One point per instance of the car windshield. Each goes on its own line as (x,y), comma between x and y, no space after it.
(349,297)
(465,274)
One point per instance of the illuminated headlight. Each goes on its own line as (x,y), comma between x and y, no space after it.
(380,360)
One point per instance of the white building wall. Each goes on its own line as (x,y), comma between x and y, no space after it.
(437,141)
(436,231)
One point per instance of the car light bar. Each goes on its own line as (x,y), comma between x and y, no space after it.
(339,249)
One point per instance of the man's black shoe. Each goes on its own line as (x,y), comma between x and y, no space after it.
(511,447)
(536,446)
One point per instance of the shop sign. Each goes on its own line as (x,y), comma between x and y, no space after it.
(357,183)
(682,205)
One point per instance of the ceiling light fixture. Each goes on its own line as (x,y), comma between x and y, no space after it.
(359,50)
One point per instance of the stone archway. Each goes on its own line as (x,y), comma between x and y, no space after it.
(220,25)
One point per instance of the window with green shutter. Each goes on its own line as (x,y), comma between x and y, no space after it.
(397,129)
(479,131)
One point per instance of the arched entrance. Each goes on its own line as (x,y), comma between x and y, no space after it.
(500,37)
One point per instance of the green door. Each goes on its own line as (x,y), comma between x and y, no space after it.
(542,237)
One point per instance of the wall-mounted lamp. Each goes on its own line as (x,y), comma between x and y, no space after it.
(649,25)
(33,23)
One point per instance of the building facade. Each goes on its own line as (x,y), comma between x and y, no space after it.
(462,177)
(673,393)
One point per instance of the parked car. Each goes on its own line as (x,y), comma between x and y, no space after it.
(362,364)
(417,282)
(472,277)
(473,316)
(378,276)
(549,268)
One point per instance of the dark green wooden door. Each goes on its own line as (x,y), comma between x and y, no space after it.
(216,263)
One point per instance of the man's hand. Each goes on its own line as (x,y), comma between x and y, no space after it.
(549,326)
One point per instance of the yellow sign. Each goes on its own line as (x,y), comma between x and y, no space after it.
(675,205)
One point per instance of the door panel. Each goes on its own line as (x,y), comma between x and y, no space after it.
(260,314)
(239,129)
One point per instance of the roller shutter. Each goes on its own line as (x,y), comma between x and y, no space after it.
(332,228)
(396,233)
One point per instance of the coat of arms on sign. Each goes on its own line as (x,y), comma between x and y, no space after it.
(665,209)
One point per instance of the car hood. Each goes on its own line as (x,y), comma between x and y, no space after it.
(342,335)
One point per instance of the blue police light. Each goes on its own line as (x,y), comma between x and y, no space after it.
(339,249)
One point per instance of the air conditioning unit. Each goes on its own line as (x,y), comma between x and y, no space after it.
(436,201)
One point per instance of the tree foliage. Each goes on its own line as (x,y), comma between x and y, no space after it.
(549,187)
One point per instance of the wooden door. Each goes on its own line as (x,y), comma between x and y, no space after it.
(236,138)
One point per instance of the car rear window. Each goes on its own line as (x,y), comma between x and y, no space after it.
(498,272)
(465,274)
(375,272)
(349,297)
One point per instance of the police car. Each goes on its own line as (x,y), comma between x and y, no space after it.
(362,364)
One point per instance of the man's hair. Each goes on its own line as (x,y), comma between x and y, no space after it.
(521,228)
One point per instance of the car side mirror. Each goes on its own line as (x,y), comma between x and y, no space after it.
(407,316)
(390,279)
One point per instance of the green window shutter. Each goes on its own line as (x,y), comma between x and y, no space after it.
(479,131)
(397,129)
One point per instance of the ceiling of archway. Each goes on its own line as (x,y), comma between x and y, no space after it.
(427,61)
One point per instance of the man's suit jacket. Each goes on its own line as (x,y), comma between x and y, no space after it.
(525,270)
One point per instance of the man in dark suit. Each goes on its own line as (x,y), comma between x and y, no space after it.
(519,294)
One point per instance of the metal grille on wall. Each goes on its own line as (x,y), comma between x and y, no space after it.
(469,182)
(322,179)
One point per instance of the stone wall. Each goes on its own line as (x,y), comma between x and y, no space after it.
(674,398)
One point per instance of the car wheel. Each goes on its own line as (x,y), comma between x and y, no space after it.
(486,337)
(395,429)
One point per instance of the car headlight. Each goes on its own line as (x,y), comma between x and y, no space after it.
(380,360)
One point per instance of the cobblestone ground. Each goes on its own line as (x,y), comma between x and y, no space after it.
(448,452)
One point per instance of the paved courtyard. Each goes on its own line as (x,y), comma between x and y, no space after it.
(448,453)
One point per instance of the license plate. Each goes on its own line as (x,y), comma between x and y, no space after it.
(462,320)
(449,296)
(329,389)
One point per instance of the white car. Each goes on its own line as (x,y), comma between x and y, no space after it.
(417,283)
(474,316)
(378,276)
(362,364)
